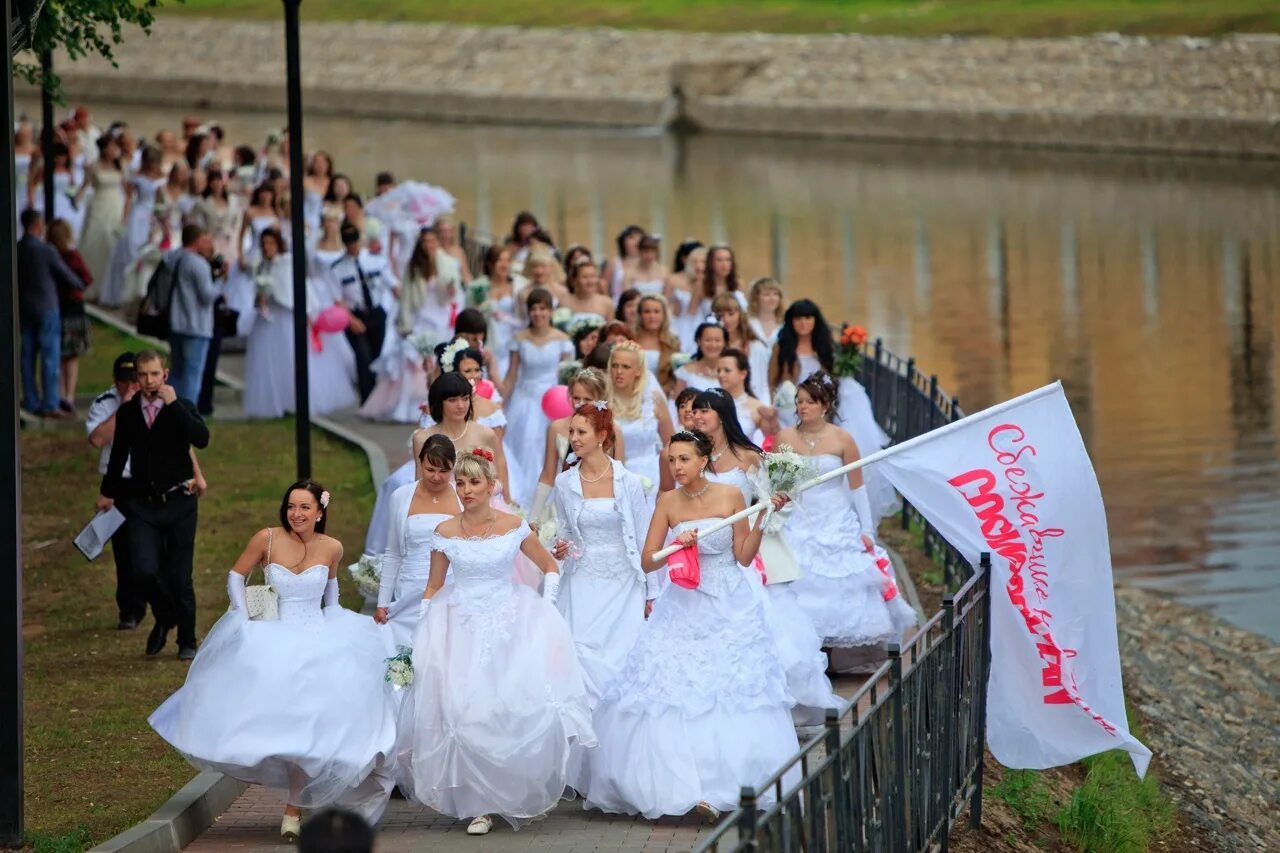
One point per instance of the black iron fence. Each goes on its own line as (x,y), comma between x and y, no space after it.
(897,765)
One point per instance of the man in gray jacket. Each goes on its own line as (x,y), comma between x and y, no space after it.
(190,311)
(40,271)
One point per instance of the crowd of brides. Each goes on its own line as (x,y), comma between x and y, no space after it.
(569,418)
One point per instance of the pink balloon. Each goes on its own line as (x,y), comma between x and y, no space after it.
(332,319)
(556,403)
(485,389)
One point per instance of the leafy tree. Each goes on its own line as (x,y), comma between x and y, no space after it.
(81,28)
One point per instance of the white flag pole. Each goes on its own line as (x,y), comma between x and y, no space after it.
(910,443)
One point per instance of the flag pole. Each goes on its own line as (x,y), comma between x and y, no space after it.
(879,455)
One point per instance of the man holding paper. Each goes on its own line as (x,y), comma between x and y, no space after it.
(154,433)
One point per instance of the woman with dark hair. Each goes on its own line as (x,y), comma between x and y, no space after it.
(853,604)
(269,387)
(628,310)
(585,298)
(416,510)
(702,372)
(684,290)
(216,213)
(536,353)
(295,702)
(108,207)
(737,461)
(720,275)
(602,516)
(75,325)
(339,189)
(701,707)
(494,292)
(523,228)
(451,405)
(429,294)
(64,173)
(472,325)
(742,337)
(647,274)
(756,416)
(628,252)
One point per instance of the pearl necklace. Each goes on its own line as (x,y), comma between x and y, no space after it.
(582,472)
(459,436)
(697,494)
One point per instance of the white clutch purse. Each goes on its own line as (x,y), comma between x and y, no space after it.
(262,601)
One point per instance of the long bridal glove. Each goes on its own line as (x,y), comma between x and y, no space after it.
(423,607)
(652,585)
(862,506)
(551,586)
(235,592)
(330,594)
(540,497)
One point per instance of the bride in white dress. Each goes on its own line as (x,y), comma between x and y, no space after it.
(498,699)
(601,514)
(639,410)
(852,601)
(297,704)
(416,510)
(701,707)
(536,353)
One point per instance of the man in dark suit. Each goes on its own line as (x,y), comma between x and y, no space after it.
(154,433)
(40,272)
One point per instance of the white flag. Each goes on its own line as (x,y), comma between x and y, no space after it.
(1016,481)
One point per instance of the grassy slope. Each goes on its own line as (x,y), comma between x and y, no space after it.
(94,767)
(897,17)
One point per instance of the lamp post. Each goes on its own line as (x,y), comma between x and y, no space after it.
(301,379)
(46,132)
(19,19)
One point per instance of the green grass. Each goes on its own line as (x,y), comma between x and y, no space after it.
(895,17)
(93,766)
(95,368)
(1027,795)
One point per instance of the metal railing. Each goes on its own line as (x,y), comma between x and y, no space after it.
(897,765)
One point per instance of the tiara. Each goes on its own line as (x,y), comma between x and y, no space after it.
(627,346)
(484,454)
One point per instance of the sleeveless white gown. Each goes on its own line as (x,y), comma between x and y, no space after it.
(642,444)
(295,704)
(701,707)
(527,425)
(498,700)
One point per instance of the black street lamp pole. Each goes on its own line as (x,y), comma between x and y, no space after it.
(11,828)
(301,379)
(46,132)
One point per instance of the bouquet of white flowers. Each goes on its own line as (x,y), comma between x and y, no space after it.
(560,317)
(787,469)
(566,370)
(548,532)
(424,342)
(400,668)
(646,484)
(680,359)
(263,285)
(367,574)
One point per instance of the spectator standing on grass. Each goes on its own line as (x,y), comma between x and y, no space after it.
(154,433)
(191,311)
(75,324)
(41,273)
(101,427)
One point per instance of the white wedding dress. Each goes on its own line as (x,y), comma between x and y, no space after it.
(527,433)
(701,707)
(842,589)
(297,704)
(642,443)
(498,700)
(411,578)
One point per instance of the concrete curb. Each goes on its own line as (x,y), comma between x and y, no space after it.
(906,584)
(199,803)
(181,819)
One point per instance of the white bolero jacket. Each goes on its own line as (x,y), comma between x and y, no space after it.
(628,498)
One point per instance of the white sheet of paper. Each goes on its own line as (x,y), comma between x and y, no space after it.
(98,532)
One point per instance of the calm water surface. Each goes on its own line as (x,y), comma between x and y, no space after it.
(1150,287)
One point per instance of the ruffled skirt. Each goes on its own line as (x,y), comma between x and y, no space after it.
(700,710)
(299,707)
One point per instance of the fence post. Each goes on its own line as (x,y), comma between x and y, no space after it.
(747,823)
(955,409)
(949,745)
(896,811)
(837,822)
(874,389)
(934,411)
(984,657)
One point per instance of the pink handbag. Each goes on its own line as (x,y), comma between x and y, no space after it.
(683,568)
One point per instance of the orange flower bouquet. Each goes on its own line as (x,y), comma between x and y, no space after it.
(848,360)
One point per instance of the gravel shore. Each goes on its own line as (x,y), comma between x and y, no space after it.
(1219,96)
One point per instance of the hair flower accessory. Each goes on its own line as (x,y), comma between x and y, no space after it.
(450,354)
(484,454)
(324,499)
(601,405)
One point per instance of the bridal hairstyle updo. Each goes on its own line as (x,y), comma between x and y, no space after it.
(823,389)
(317,493)
(593,381)
(438,452)
(446,387)
(475,465)
(701,443)
(601,420)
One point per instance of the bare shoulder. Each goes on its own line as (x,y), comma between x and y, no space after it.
(505,522)
(331,546)
(450,528)
(788,436)
(486,433)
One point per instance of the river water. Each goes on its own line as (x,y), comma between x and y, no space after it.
(1149,286)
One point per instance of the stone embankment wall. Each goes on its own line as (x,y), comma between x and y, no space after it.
(1185,95)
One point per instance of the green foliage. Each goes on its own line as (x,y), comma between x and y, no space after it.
(1113,810)
(73,842)
(1027,795)
(81,28)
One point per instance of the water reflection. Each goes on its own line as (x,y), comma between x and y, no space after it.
(1149,286)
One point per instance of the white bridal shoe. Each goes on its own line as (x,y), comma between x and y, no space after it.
(708,811)
(480,826)
(290,826)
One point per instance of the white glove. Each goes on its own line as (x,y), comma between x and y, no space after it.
(423,607)
(540,497)
(862,506)
(330,594)
(235,592)
(551,586)
(652,585)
